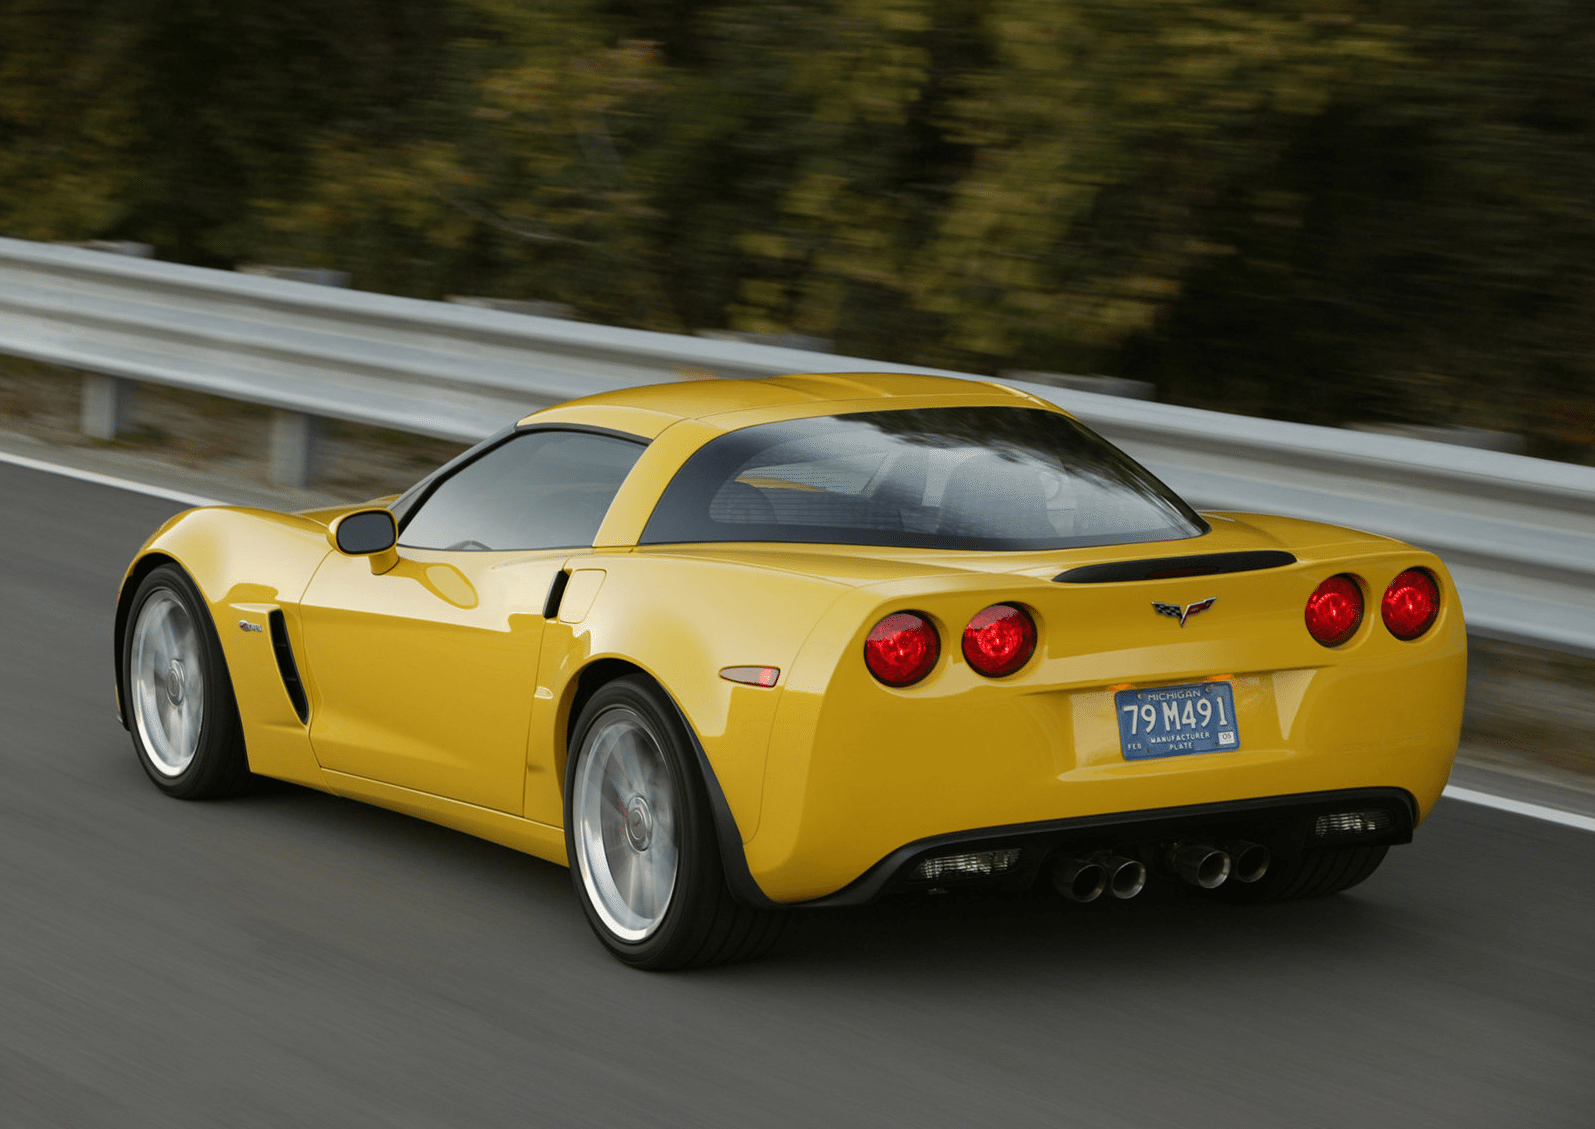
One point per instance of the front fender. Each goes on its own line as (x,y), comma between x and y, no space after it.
(246,563)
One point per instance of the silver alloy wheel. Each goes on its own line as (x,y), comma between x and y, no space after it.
(167,679)
(625,810)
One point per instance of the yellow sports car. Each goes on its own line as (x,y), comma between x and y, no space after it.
(730,647)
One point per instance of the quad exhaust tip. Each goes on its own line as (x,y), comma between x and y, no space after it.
(1085,879)
(1126,877)
(1200,864)
(1080,879)
(1248,861)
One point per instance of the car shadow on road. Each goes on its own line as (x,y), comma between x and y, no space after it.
(1168,929)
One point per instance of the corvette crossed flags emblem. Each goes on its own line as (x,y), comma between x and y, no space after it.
(1173,611)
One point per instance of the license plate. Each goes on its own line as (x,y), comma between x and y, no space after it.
(1172,721)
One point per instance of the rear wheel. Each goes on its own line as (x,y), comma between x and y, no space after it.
(643,854)
(1313,874)
(178,697)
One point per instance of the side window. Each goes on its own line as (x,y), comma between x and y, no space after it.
(539,490)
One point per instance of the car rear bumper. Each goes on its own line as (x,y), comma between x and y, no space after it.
(863,783)
(1286,825)
(856,771)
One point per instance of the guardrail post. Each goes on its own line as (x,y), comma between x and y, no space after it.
(297,448)
(107,405)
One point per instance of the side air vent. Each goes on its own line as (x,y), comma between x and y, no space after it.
(1166,568)
(556,593)
(286,665)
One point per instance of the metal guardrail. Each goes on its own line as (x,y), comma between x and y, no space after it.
(1518,533)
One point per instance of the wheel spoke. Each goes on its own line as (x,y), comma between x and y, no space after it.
(665,827)
(170,636)
(166,720)
(653,886)
(635,886)
(623,868)
(157,648)
(627,766)
(189,728)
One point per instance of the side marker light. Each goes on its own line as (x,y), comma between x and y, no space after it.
(752,675)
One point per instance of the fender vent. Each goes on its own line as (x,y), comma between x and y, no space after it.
(1167,568)
(286,665)
(556,593)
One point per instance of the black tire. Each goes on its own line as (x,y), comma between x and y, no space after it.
(632,787)
(1313,874)
(183,717)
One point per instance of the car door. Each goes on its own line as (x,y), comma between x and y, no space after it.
(424,675)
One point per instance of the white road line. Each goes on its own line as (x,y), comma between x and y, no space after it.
(1519,807)
(108,480)
(1452,791)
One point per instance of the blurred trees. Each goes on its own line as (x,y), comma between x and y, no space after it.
(1437,259)
(180,122)
(1329,211)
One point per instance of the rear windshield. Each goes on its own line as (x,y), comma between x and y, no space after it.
(935,478)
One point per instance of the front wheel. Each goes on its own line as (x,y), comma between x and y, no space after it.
(643,854)
(177,693)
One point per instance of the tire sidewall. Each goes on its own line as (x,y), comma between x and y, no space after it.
(697,870)
(219,723)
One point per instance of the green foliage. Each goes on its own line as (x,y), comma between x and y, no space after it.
(1433,261)
(66,111)
(1327,211)
(171,121)
(1082,146)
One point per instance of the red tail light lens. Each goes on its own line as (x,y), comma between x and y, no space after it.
(1411,603)
(901,649)
(1000,640)
(1334,611)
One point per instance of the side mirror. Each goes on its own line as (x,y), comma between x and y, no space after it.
(367,533)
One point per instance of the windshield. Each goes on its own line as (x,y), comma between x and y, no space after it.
(937,478)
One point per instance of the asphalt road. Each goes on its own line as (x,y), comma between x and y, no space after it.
(295,959)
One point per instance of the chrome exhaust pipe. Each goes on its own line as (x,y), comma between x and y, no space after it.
(1125,877)
(1199,864)
(1249,861)
(1080,879)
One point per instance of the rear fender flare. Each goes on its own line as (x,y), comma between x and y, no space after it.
(728,836)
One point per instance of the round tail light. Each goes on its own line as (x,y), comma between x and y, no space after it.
(901,649)
(1411,603)
(1334,610)
(1000,640)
